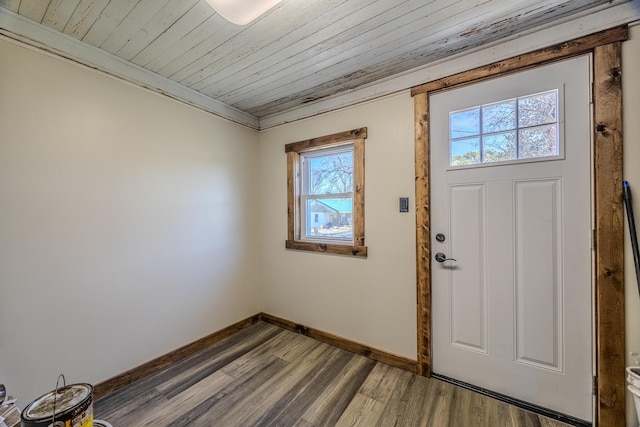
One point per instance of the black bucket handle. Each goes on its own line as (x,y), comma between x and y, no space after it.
(626,192)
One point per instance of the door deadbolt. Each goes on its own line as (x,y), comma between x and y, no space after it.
(440,237)
(440,257)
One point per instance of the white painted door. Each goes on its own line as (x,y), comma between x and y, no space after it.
(513,313)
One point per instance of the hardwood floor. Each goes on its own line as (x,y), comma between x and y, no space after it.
(265,375)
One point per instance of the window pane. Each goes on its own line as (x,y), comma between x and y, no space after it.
(538,109)
(464,123)
(330,218)
(465,151)
(331,174)
(499,117)
(540,141)
(510,129)
(499,147)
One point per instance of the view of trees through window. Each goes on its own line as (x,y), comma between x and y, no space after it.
(328,194)
(520,128)
(331,174)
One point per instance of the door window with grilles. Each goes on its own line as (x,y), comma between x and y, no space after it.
(520,129)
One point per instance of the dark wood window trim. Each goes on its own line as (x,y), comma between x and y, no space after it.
(293,151)
(605,47)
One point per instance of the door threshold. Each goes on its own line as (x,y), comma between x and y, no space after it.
(557,416)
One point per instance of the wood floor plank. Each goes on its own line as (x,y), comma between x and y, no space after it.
(276,346)
(330,405)
(462,411)
(398,400)
(181,404)
(382,381)
(304,423)
(232,404)
(129,412)
(250,411)
(205,362)
(229,398)
(251,363)
(265,375)
(211,360)
(498,412)
(522,418)
(297,344)
(362,412)
(438,407)
(411,410)
(219,353)
(292,405)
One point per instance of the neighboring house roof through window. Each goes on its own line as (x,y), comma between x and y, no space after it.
(339,206)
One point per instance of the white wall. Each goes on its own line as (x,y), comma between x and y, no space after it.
(127,223)
(631,138)
(370,300)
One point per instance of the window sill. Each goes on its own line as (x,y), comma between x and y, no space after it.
(328,248)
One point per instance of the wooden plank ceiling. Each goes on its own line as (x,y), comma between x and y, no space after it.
(300,51)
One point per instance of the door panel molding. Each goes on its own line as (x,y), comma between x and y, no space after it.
(609,257)
(545,350)
(468,299)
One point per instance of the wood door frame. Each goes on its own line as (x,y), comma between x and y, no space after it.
(605,47)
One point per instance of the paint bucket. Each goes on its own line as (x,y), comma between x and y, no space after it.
(69,406)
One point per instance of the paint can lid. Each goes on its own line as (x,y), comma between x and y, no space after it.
(100,423)
(66,398)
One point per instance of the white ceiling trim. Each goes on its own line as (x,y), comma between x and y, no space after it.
(19,28)
(555,33)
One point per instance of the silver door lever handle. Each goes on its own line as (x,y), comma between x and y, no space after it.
(440,257)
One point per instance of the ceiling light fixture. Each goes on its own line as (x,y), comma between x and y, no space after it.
(241,12)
